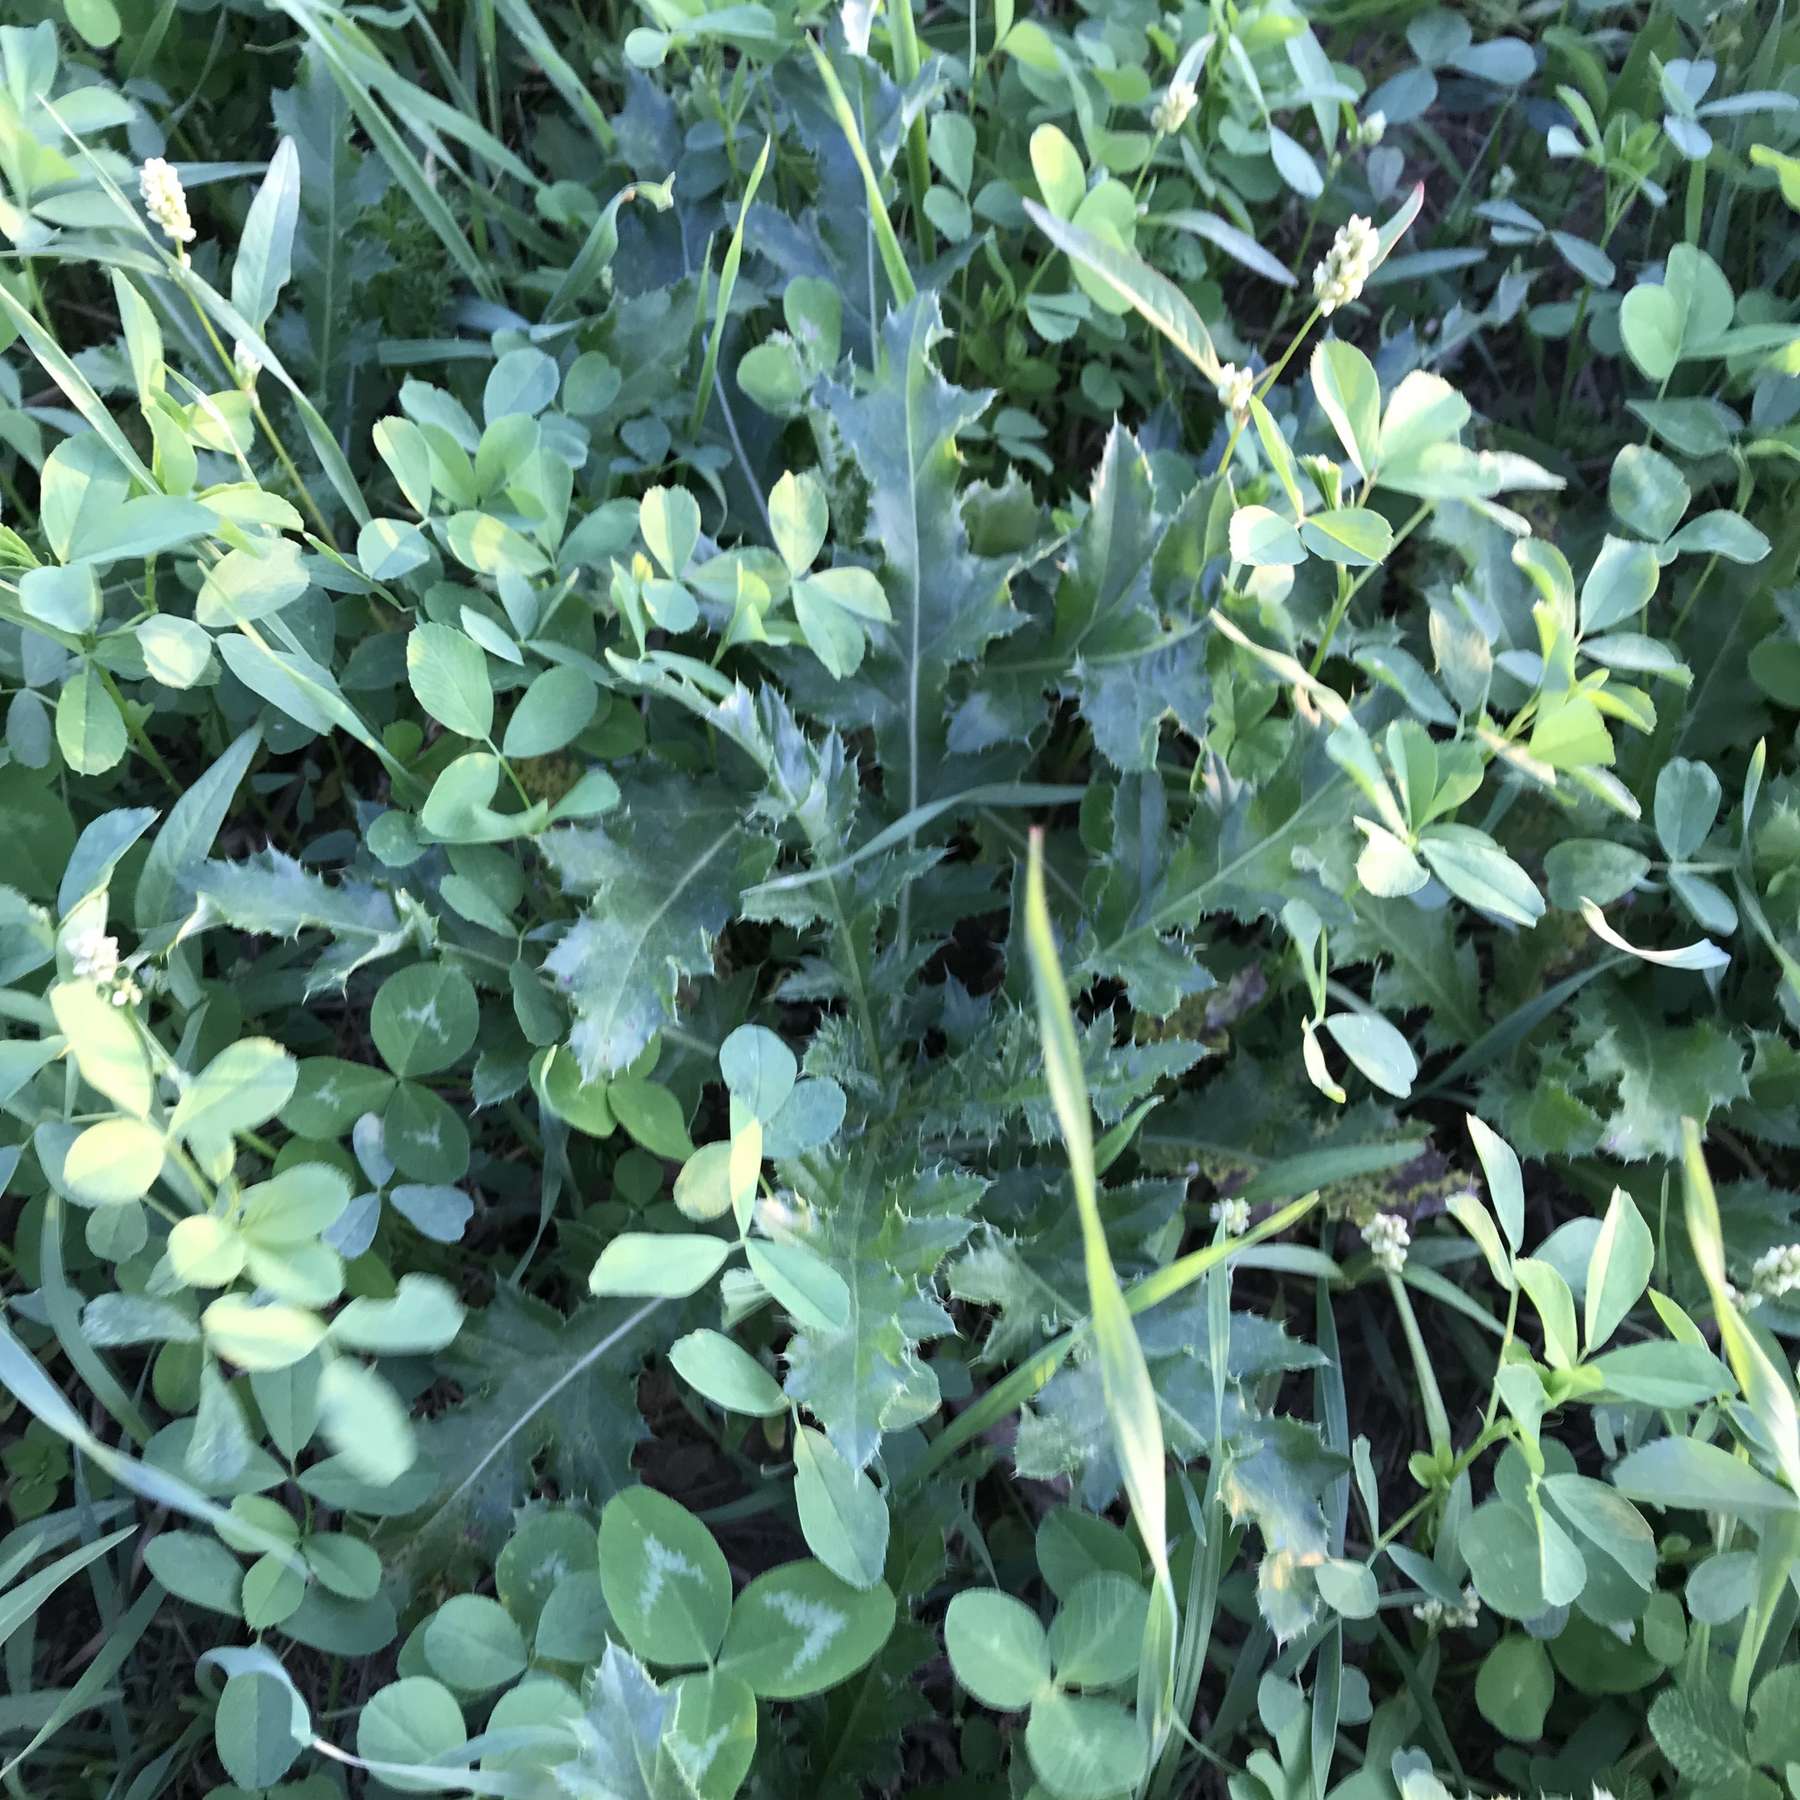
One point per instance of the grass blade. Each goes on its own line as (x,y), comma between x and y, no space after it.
(90,1686)
(84,1359)
(728,275)
(19,1603)
(558,71)
(1131,1401)
(892,260)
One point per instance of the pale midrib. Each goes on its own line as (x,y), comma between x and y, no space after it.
(687,878)
(1172,914)
(577,1368)
(918,605)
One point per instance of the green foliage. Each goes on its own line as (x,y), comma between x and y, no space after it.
(901,900)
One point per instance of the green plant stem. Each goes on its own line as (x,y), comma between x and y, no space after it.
(918,155)
(1512,1320)
(1266,381)
(262,418)
(1437,1421)
(1347,593)
(1339,607)
(138,735)
(1695,201)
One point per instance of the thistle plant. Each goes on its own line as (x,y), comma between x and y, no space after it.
(899,900)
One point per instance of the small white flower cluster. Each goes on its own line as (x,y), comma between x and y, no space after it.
(1370,131)
(1235,387)
(245,363)
(1505,179)
(1234,1215)
(1387,1237)
(165,200)
(1773,1275)
(94,956)
(1174,108)
(1349,262)
(1439,1617)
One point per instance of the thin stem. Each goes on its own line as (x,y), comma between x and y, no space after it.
(1437,1420)
(138,735)
(1339,607)
(262,418)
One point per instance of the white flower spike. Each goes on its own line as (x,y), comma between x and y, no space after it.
(1347,265)
(165,200)
(1387,1236)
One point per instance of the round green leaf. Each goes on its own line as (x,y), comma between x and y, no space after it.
(554,711)
(669,518)
(538,1701)
(198,1567)
(665,1579)
(90,730)
(1072,1545)
(998,1650)
(560,1085)
(97,21)
(1377,1049)
(473,1644)
(1098,1631)
(799,1630)
(390,548)
(272,1590)
(204,1251)
(106,1047)
(424,1135)
(260,1337)
(1355,536)
(344,1564)
(712,1735)
(254,1729)
(243,1087)
(759,1069)
(1347,1588)
(1264,539)
(364,1422)
(421,1316)
(546,1547)
(409,1722)
(449,677)
(651,1114)
(113,1162)
(1500,1546)
(803,1282)
(809,1117)
(798,519)
(424,1019)
(572,1626)
(1686,805)
(1083,1748)
(703,1188)
(1514,1687)
(491,547)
